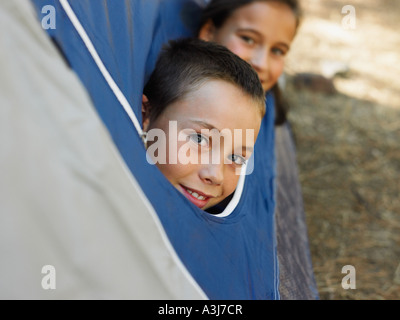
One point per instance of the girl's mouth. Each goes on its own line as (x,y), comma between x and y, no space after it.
(198,198)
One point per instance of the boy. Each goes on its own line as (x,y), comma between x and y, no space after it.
(202,109)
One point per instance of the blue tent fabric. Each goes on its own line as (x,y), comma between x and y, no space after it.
(231,258)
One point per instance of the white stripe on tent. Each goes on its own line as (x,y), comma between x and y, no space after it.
(236,196)
(89,45)
(121,98)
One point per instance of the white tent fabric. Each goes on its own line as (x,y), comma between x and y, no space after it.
(66,198)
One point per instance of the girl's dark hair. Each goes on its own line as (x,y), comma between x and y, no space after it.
(218,11)
(185,64)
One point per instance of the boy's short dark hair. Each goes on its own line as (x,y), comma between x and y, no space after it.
(184,64)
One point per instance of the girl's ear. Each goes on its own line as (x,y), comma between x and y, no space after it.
(207,31)
(145,113)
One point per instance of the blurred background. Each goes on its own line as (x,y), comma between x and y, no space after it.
(342,82)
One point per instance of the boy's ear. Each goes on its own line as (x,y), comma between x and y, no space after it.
(145,113)
(207,31)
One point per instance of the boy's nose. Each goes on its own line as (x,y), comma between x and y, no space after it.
(212,173)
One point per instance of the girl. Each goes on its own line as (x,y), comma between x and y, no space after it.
(258,31)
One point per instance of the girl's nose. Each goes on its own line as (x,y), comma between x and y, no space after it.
(259,61)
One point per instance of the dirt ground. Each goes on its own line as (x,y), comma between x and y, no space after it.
(348,143)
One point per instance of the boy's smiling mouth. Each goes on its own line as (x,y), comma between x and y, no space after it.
(196,197)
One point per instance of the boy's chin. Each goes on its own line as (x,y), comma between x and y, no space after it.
(208,206)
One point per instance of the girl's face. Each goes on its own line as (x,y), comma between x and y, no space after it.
(197,155)
(260,33)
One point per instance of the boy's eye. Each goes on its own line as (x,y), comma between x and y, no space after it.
(199,139)
(238,160)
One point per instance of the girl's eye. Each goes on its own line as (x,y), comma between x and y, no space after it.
(278,52)
(238,160)
(247,39)
(199,139)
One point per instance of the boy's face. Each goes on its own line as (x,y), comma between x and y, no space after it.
(260,33)
(206,142)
